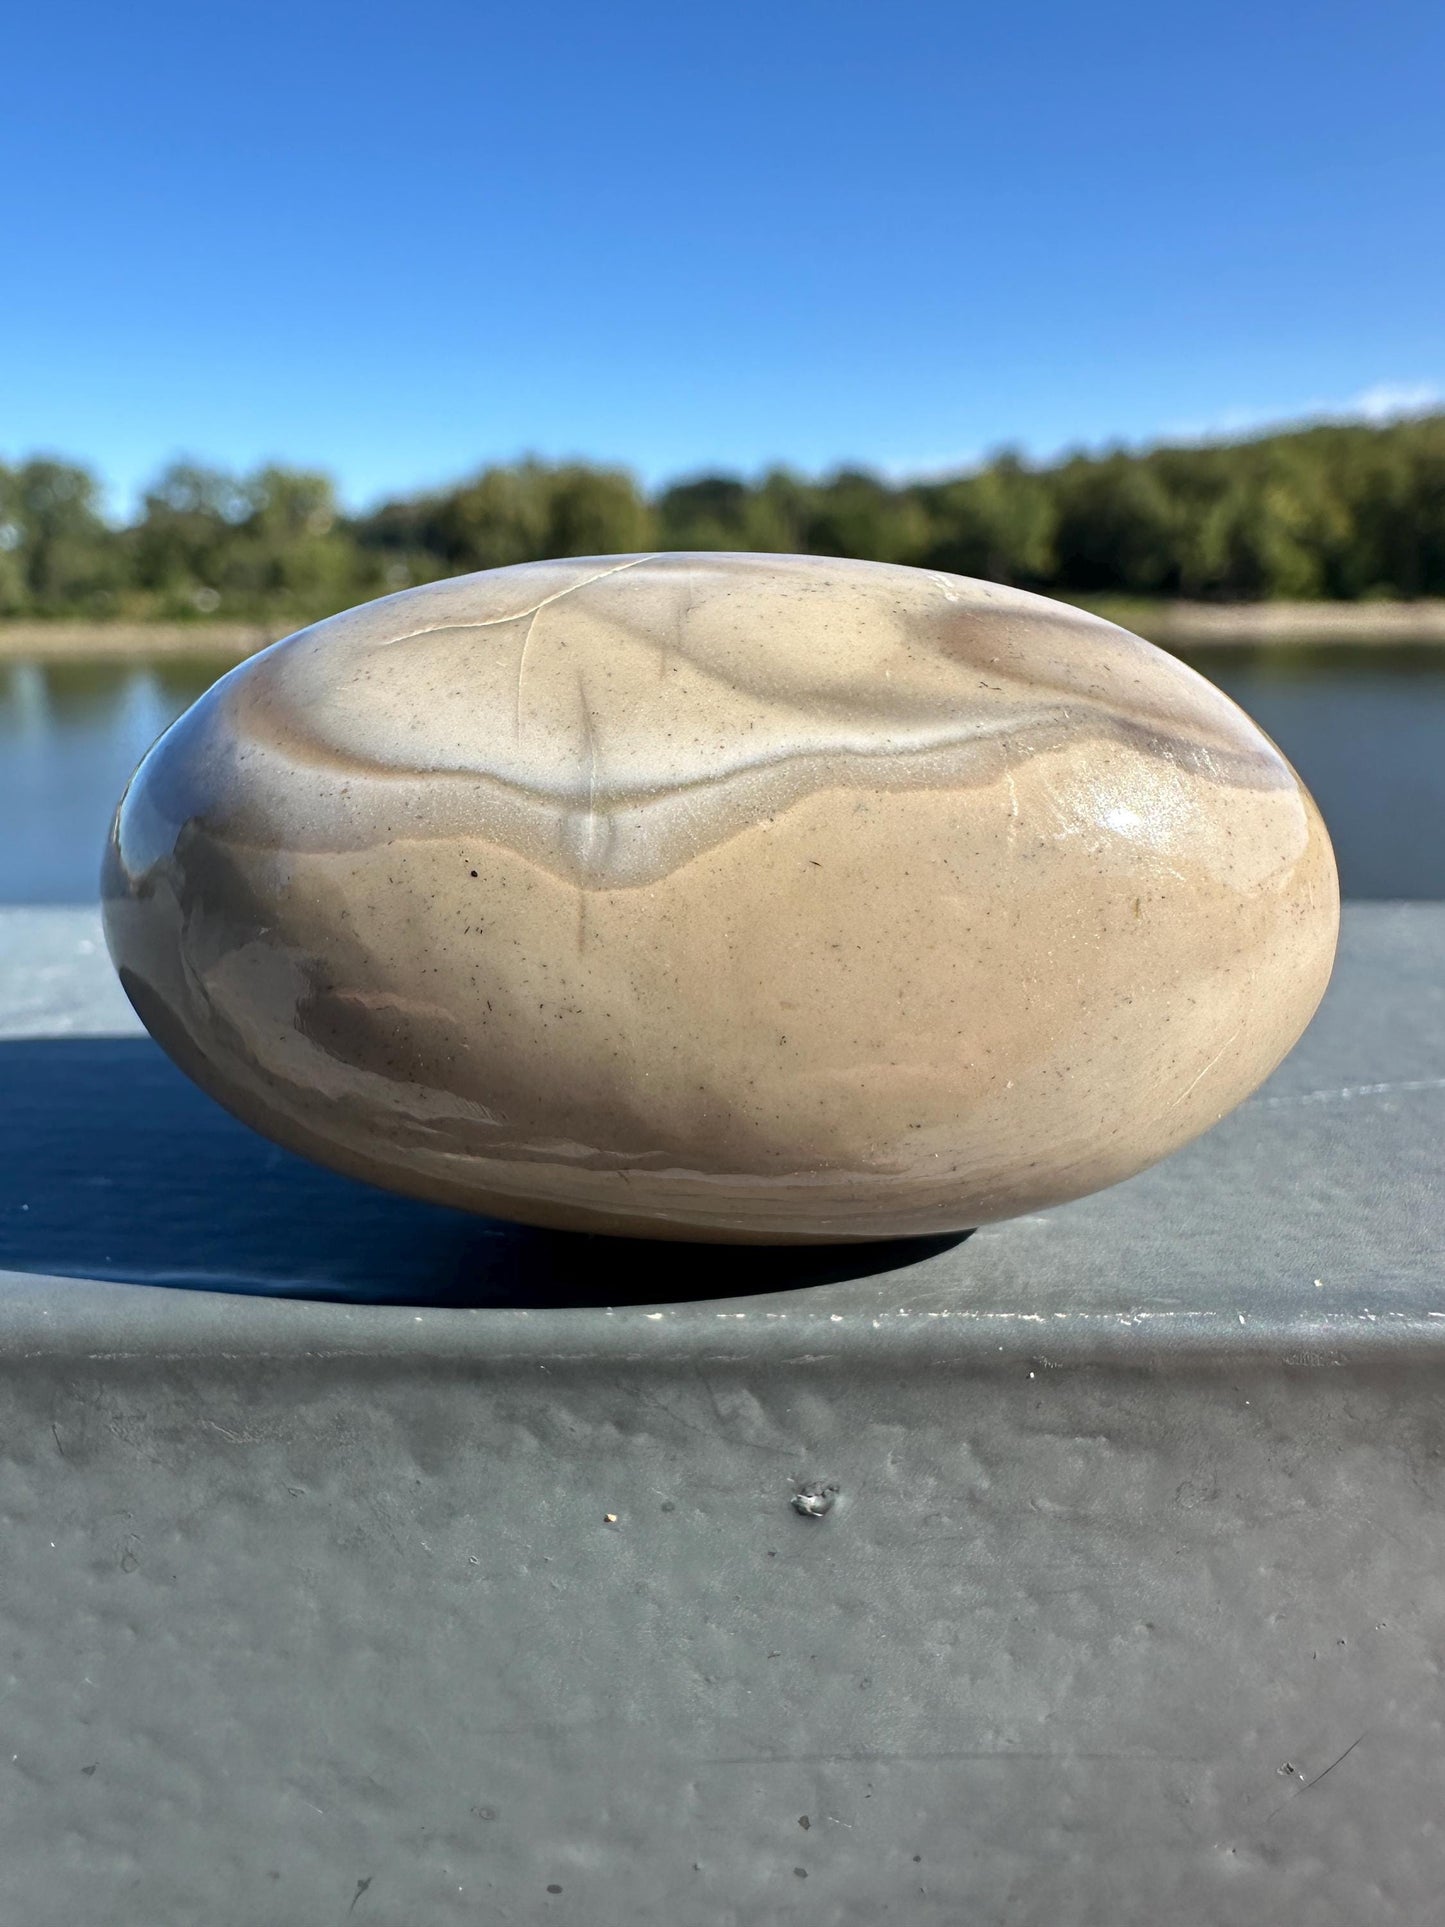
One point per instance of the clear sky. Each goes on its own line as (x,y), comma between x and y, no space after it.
(397,241)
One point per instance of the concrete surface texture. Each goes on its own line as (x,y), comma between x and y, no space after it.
(1127,1607)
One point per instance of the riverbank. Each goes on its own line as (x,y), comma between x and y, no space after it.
(1173,625)
(62,641)
(1196,625)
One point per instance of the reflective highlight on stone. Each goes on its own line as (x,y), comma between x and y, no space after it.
(722,896)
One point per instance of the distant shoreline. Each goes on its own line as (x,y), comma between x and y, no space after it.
(1174,625)
(63,641)
(1255,624)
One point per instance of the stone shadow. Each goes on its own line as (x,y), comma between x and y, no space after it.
(114,1166)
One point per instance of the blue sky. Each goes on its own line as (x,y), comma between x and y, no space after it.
(397,241)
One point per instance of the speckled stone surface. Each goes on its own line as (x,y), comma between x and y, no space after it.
(764,898)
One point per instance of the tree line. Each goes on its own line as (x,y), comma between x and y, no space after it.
(1336,510)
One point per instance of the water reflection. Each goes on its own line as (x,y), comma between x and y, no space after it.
(70,735)
(1364,725)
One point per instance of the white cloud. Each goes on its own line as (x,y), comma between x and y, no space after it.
(1384,401)
(1388,400)
(928,468)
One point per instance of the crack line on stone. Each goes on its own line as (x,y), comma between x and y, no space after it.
(521,670)
(497,622)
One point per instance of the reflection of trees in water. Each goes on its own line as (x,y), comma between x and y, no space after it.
(71,733)
(87,693)
(1325,663)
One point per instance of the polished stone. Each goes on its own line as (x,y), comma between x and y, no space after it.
(738,897)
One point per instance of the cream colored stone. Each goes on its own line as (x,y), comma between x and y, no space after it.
(723,897)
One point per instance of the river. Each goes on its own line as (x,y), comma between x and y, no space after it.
(1365,727)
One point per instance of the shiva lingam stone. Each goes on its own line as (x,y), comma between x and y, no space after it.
(737,897)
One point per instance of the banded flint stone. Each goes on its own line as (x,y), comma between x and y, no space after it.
(722,897)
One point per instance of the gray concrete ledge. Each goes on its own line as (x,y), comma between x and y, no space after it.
(1128,1609)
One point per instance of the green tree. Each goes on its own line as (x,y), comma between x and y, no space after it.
(533,510)
(292,553)
(999,524)
(1116,526)
(774,516)
(60,547)
(187,533)
(1334,509)
(271,543)
(854,513)
(14,591)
